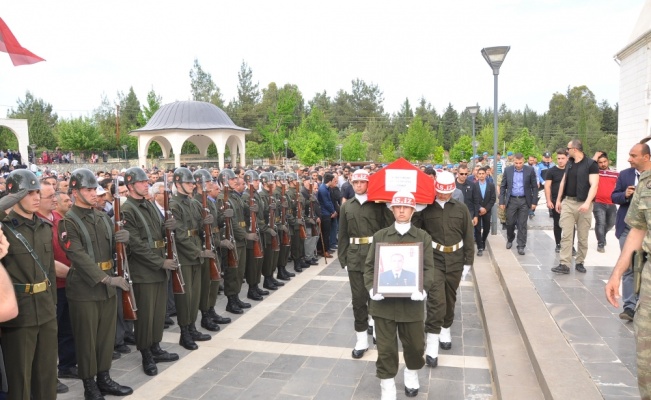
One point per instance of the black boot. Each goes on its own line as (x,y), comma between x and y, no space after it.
(107,385)
(161,355)
(281,274)
(208,323)
(269,284)
(304,264)
(232,306)
(241,303)
(91,391)
(260,291)
(218,319)
(253,294)
(275,282)
(148,363)
(287,273)
(297,266)
(198,336)
(186,339)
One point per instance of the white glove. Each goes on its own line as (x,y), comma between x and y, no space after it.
(419,296)
(346,268)
(376,297)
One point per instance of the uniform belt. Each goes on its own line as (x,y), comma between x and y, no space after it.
(242,224)
(31,288)
(158,244)
(193,232)
(105,265)
(215,229)
(518,197)
(447,249)
(361,240)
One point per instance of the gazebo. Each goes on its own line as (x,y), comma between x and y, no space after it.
(199,122)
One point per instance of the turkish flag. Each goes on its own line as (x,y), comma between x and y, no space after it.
(8,43)
(401,175)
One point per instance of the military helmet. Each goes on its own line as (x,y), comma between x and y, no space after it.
(135,174)
(266,177)
(226,175)
(22,179)
(279,175)
(250,176)
(183,175)
(292,176)
(201,175)
(82,178)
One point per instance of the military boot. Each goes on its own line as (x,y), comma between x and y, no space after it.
(161,355)
(241,303)
(218,319)
(261,291)
(186,339)
(232,306)
(208,323)
(148,363)
(269,284)
(253,294)
(107,385)
(198,336)
(287,273)
(91,391)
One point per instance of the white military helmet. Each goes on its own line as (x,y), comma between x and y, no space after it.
(445,182)
(403,198)
(360,175)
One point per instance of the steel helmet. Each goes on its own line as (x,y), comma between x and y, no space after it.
(22,179)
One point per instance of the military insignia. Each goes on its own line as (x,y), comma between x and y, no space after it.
(648,184)
(33,182)
(9,186)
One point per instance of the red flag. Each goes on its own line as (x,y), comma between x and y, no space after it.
(8,43)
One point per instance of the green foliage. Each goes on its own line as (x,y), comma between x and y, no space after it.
(41,120)
(462,149)
(253,150)
(525,143)
(388,152)
(80,134)
(8,139)
(189,148)
(354,147)
(450,130)
(608,143)
(314,139)
(377,131)
(282,109)
(203,88)
(438,155)
(486,135)
(418,143)
(244,110)
(148,111)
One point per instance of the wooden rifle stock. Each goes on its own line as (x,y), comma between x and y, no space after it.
(299,212)
(275,246)
(215,274)
(285,241)
(128,299)
(170,245)
(257,249)
(231,255)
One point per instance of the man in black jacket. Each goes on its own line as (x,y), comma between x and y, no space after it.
(471,195)
(486,202)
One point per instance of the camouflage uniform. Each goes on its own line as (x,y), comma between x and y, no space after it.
(639,216)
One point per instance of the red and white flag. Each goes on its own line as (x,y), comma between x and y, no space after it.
(8,43)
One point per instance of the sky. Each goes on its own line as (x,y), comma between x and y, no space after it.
(410,49)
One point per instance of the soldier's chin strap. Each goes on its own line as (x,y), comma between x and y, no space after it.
(83,199)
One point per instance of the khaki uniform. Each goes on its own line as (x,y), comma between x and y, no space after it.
(359,222)
(397,314)
(233,277)
(639,216)
(297,244)
(284,250)
(188,245)
(447,227)
(93,305)
(29,341)
(270,259)
(254,265)
(146,253)
(209,288)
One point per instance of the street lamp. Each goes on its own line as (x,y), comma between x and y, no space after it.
(285,142)
(33,147)
(124,147)
(495,56)
(339,147)
(473,110)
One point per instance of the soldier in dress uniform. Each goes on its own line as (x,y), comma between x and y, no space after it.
(283,204)
(29,341)
(149,268)
(270,259)
(449,223)
(358,221)
(89,240)
(401,316)
(253,264)
(312,210)
(190,252)
(296,221)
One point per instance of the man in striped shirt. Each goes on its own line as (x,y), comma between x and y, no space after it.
(604,211)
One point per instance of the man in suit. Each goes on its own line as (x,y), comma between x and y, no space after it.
(397,276)
(486,201)
(518,190)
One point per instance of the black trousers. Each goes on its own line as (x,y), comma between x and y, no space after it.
(517,213)
(482,230)
(67,354)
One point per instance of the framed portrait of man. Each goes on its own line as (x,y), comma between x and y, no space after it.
(398,269)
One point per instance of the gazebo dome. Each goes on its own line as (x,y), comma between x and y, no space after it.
(189,115)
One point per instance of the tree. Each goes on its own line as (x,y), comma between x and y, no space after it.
(80,134)
(402,120)
(377,131)
(366,100)
(243,110)
(438,155)
(314,139)
(388,152)
(486,136)
(608,118)
(282,109)
(343,112)
(354,148)
(129,112)
(462,149)
(418,143)
(202,86)
(525,143)
(105,121)
(450,122)
(41,120)
(148,111)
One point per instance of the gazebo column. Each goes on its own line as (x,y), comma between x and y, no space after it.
(220,155)
(242,158)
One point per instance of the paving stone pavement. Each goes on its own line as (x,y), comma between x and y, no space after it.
(296,344)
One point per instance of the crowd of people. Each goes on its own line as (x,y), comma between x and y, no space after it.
(172,241)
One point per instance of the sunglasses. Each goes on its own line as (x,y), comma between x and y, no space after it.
(462,174)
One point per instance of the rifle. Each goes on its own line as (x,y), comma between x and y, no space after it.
(315,230)
(275,246)
(253,225)
(215,274)
(170,244)
(232,259)
(285,241)
(299,212)
(128,299)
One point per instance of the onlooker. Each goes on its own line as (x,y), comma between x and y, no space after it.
(327,211)
(553,179)
(486,202)
(575,194)
(604,210)
(471,195)
(543,167)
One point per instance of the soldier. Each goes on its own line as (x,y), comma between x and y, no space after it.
(209,288)
(29,341)
(282,274)
(233,277)
(271,247)
(149,268)
(254,263)
(399,315)
(358,221)
(190,252)
(296,223)
(449,223)
(88,238)
(312,210)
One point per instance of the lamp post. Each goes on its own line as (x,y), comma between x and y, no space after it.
(473,110)
(33,147)
(124,147)
(285,142)
(495,56)
(339,147)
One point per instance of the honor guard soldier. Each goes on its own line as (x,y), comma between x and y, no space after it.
(209,287)
(29,341)
(149,268)
(271,246)
(400,316)
(89,240)
(255,225)
(230,201)
(449,224)
(190,252)
(358,222)
(283,204)
(296,222)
